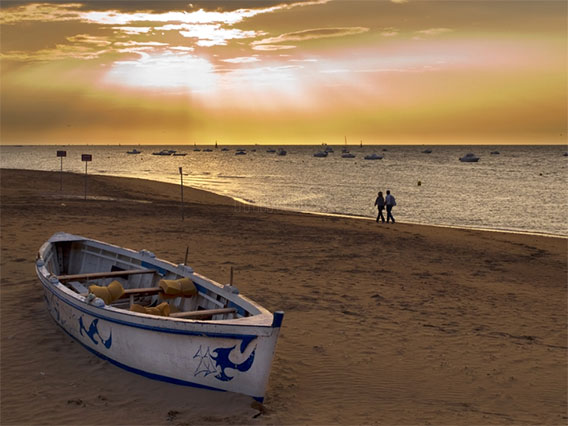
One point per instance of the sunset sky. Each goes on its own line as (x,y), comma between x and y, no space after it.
(284,72)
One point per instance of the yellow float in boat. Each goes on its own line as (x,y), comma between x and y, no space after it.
(109,293)
(183,287)
(163,309)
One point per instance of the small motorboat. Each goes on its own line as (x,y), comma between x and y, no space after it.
(271,151)
(347,155)
(207,150)
(133,151)
(164,152)
(495,153)
(321,154)
(374,156)
(427,151)
(469,158)
(154,318)
(240,151)
(224,149)
(281,152)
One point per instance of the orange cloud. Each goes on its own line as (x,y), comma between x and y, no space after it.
(310,34)
(41,12)
(89,39)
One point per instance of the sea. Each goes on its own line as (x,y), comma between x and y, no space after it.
(511,188)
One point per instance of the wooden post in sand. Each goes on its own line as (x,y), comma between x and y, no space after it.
(61,154)
(181,176)
(86,158)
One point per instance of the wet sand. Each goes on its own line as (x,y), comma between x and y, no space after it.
(384,324)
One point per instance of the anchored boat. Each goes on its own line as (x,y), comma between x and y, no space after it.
(374,156)
(155,318)
(469,158)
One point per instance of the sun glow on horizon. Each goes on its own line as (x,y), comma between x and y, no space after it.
(379,69)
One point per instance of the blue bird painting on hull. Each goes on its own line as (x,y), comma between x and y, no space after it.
(222,361)
(94,331)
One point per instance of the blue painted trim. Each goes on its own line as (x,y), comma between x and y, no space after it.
(240,310)
(152,376)
(149,265)
(154,328)
(277,319)
(200,288)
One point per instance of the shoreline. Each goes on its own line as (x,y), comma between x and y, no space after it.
(372,218)
(339,144)
(376,317)
(463,227)
(339,215)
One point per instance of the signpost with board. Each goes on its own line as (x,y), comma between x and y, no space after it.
(181,176)
(86,158)
(61,154)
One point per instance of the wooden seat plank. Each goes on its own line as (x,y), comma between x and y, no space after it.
(96,275)
(78,287)
(203,313)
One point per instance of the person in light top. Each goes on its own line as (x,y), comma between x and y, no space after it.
(390,203)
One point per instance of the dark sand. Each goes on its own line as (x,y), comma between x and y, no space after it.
(400,324)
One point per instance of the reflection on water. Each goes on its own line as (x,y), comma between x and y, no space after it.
(523,188)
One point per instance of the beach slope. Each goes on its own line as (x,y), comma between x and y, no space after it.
(384,324)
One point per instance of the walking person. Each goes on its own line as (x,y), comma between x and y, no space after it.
(380,203)
(390,203)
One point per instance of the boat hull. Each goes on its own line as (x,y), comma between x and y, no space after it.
(219,355)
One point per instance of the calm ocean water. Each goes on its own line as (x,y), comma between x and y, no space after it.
(523,188)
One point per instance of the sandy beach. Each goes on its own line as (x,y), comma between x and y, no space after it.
(384,324)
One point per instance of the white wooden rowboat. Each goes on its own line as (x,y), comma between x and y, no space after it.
(216,339)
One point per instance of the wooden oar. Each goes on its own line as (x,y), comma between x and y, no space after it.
(96,275)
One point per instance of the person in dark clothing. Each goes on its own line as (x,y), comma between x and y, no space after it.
(380,203)
(390,203)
